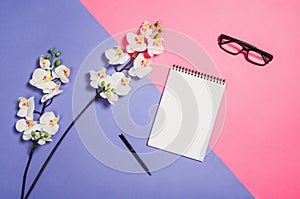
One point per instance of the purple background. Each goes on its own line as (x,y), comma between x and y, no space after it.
(27,30)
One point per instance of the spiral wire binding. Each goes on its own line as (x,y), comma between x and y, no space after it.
(198,74)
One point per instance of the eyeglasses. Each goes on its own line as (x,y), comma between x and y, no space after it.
(253,54)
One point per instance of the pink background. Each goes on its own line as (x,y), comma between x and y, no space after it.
(259,142)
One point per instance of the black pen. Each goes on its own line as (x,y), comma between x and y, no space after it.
(134,153)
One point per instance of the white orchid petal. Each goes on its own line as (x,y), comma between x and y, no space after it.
(21,125)
(129,49)
(94,84)
(103,95)
(22,112)
(29,115)
(30,110)
(115,79)
(113,98)
(142,71)
(130,37)
(41,142)
(110,54)
(93,75)
(46,117)
(155,51)
(131,72)
(64,79)
(139,47)
(51,129)
(51,95)
(46,85)
(26,137)
(138,59)
(123,58)
(122,90)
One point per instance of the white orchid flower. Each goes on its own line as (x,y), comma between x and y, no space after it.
(135,43)
(110,96)
(62,72)
(97,77)
(114,85)
(120,83)
(116,56)
(155,46)
(141,67)
(41,78)
(51,91)
(146,30)
(26,108)
(48,123)
(29,128)
(45,63)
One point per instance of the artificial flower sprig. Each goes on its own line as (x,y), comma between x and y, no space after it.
(136,60)
(40,126)
(48,78)
(141,47)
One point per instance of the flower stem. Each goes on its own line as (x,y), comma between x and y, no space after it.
(34,144)
(58,144)
(43,108)
(131,60)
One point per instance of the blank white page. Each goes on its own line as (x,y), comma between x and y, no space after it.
(186,114)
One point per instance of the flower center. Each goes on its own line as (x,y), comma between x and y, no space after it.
(23,102)
(101,74)
(66,72)
(44,64)
(55,87)
(145,62)
(47,78)
(119,52)
(124,81)
(157,42)
(53,121)
(139,39)
(28,123)
(145,26)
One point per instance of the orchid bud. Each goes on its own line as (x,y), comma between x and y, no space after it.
(157,36)
(57,54)
(57,62)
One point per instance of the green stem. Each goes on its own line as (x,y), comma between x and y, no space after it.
(58,144)
(34,144)
(52,58)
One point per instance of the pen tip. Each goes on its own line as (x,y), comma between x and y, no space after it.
(149,173)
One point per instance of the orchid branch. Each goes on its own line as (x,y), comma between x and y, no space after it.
(106,86)
(41,131)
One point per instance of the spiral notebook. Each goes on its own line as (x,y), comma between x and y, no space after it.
(186,114)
